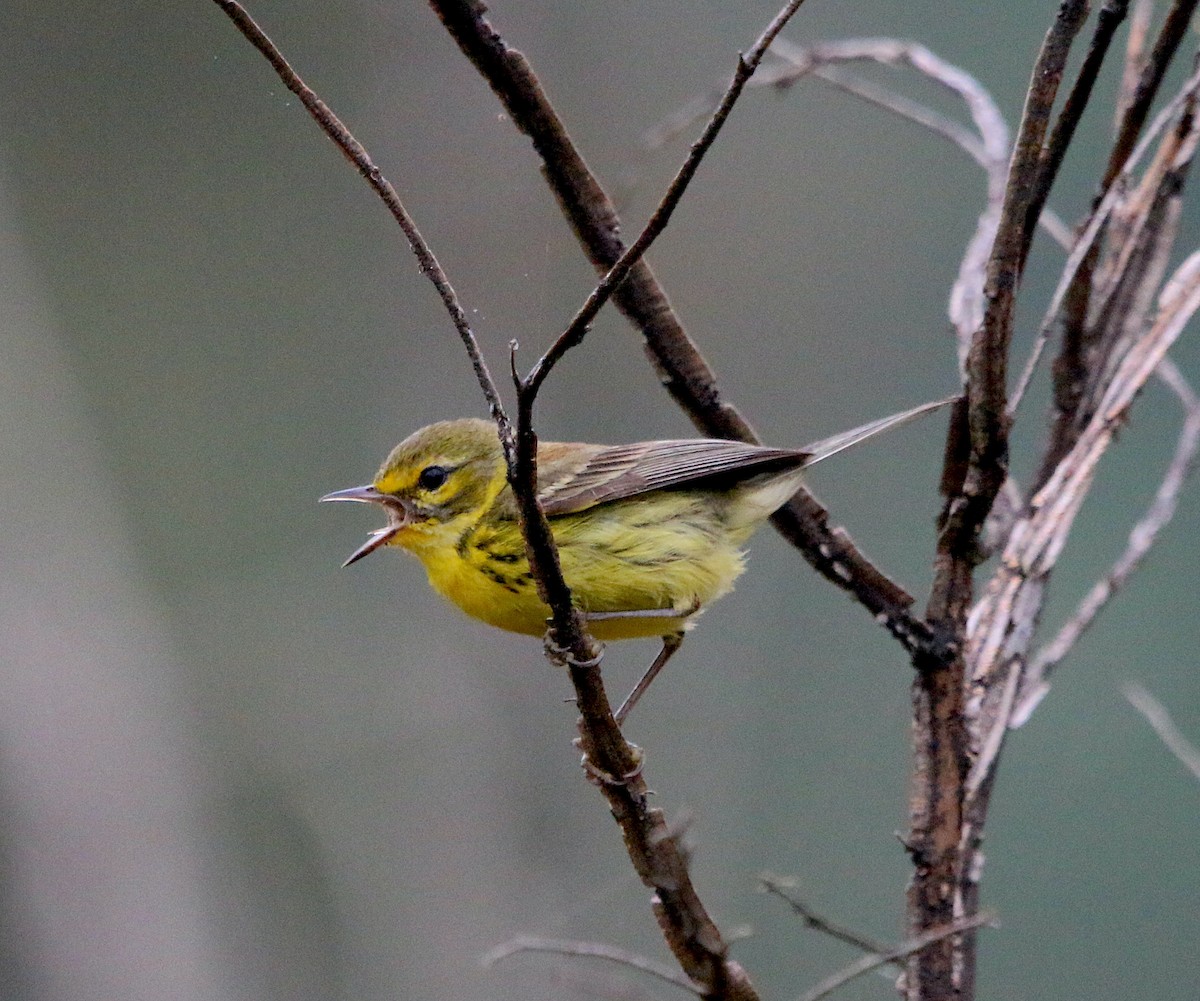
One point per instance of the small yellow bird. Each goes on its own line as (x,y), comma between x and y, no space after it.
(648,534)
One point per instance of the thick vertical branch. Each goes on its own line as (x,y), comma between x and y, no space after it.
(941,762)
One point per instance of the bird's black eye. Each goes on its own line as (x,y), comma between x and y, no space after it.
(432,477)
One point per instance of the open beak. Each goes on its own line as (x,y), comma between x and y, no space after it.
(364,495)
(396,512)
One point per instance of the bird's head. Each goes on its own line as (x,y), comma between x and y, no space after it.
(432,482)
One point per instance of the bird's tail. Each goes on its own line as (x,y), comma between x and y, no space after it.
(847,439)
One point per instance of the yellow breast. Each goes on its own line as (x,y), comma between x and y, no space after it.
(666,552)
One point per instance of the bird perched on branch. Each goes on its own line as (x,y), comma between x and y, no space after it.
(647,534)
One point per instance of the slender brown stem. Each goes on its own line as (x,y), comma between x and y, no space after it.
(1174,28)
(357,154)
(1111,15)
(591,950)
(680,366)
(975,469)
(610,759)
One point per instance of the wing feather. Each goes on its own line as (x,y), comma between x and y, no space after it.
(621,471)
(576,477)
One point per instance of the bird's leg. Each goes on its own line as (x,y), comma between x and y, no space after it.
(638,613)
(670,644)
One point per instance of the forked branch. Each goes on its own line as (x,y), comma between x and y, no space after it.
(616,765)
(976,679)
(681,368)
(690,932)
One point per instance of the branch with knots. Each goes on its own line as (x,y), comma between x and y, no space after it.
(1115,315)
(1111,341)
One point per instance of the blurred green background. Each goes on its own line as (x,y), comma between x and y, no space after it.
(231,770)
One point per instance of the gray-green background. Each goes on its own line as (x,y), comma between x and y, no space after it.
(230,770)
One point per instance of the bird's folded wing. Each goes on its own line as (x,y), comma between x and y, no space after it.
(620,471)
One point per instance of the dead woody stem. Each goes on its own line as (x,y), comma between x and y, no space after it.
(1116,314)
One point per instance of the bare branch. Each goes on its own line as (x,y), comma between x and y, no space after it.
(577,328)
(1109,19)
(1096,221)
(816,921)
(1153,70)
(913,946)
(356,153)
(597,950)
(682,369)
(1141,539)
(1157,716)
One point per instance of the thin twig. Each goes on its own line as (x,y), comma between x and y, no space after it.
(357,154)
(1157,716)
(597,950)
(1096,221)
(1153,70)
(817,921)
(914,945)
(683,371)
(577,328)
(1142,538)
(1108,20)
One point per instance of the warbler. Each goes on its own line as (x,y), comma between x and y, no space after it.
(648,534)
